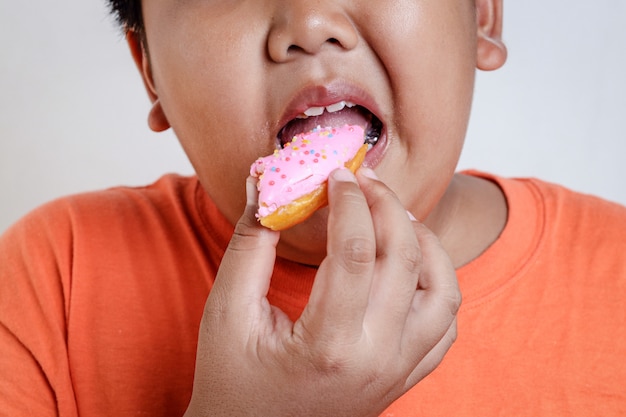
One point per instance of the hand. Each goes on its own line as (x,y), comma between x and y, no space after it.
(380,317)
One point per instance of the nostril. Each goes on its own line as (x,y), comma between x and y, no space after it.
(298,48)
(294,48)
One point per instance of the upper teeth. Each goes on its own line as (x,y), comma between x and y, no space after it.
(318,111)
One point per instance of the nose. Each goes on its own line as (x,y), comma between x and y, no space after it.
(307,27)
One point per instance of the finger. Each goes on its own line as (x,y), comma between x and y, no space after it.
(340,293)
(398,259)
(436,301)
(247,265)
(433,358)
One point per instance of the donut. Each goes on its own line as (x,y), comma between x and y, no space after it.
(292,182)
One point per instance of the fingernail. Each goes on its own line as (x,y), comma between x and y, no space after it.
(411,216)
(368,172)
(343,175)
(251,191)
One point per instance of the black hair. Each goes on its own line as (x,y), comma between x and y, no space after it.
(128,15)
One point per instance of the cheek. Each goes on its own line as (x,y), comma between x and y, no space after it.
(211,97)
(207,83)
(212,127)
(432,65)
(221,157)
(437,69)
(433,61)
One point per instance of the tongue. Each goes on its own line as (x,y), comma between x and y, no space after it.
(347,116)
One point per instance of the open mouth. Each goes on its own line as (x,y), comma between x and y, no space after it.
(335,115)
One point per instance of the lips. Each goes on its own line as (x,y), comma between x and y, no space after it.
(335,104)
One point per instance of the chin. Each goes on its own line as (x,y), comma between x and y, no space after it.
(305,243)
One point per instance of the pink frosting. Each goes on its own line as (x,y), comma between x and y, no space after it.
(303,164)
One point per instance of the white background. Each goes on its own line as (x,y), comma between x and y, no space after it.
(73,109)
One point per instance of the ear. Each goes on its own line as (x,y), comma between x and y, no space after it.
(491,51)
(157,121)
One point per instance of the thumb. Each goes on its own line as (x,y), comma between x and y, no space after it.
(246,268)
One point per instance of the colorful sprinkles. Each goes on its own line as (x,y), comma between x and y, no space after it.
(303,164)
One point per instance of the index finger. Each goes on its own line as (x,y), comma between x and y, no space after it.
(246,268)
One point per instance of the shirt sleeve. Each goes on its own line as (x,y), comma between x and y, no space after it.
(35,281)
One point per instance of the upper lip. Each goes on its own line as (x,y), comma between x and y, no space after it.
(323,95)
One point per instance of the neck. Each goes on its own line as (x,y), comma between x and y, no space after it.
(469,217)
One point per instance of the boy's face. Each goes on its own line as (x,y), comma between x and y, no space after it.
(230,74)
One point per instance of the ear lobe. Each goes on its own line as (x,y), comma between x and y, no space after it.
(157,121)
(491,51)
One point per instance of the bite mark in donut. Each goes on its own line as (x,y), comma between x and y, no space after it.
(293,181)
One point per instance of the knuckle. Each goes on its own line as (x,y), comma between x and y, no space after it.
(247,236)
(325,358)
(452,334)
(241,242)
(330,362)
(425,236)
(388,194)
(245,226)
(455,299)
(382,193)
(357,254)
(410,258)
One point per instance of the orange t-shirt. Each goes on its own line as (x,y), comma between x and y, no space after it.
(101,296)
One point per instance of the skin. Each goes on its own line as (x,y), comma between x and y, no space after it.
(226,76)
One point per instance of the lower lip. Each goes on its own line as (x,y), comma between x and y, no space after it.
(375,155)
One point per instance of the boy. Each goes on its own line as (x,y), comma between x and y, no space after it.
(103,294)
